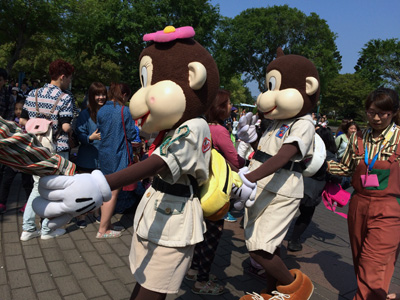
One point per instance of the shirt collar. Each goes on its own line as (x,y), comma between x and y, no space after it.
(383,133)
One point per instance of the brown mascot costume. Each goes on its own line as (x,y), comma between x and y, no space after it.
(274,180)
(179,81)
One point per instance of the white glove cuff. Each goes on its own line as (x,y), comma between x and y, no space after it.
(103,185)
(253,139)
(249,184)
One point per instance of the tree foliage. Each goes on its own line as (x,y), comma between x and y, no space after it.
(103,39)
(252,38)
(345,95)
(379,63)
(239,92)
(22,22)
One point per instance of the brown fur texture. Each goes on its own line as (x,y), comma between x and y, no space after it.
(294,70)
(170,62)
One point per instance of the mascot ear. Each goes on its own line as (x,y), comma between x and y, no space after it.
(311,85)
(197,75)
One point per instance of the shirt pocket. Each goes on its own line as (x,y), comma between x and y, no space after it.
(167,220)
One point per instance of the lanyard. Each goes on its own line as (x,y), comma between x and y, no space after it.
(388,136)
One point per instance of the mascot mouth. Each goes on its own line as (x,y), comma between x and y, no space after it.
(143,118)
(270,111)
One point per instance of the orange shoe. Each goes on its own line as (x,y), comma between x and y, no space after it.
(300,289)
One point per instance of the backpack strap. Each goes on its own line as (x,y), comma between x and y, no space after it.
(47,115)
(340,141)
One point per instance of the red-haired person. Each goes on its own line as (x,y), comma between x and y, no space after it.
(61,76)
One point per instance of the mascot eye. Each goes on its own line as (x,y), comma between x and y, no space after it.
(272,83)
(144,76)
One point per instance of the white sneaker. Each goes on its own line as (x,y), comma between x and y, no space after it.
(53,234)
(27,235)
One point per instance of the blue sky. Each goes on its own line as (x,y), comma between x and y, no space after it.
(354,21)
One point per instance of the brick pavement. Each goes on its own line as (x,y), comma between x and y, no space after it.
(78,266)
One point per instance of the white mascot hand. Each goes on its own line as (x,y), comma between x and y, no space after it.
(245,194)
(64,197)
(247,129)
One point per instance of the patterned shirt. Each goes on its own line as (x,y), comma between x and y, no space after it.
(350,159)
(22,151)
(6,104)
(47,96)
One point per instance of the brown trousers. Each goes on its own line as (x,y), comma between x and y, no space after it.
(374,226)
(374,229)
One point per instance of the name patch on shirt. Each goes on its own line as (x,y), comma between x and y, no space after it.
(281,132)
(206,145)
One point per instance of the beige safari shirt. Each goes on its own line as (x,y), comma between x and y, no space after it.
(300,130)
(169,220)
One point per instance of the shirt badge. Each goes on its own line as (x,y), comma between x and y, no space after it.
(281,132)
(206,145)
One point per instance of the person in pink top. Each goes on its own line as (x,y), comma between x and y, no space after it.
(204,251)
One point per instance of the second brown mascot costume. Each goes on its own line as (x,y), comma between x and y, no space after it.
(275,172)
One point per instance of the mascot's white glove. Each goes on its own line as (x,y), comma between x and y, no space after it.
(247,129)
(246,194)
(65,197)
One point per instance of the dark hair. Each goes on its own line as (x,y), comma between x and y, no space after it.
(326,135)
(60,67)
(20,99)
(95,89)
(117,91)
(3,73)
(348,125)
(217,111)
(384,99)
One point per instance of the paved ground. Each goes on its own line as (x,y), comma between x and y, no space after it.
(78,266)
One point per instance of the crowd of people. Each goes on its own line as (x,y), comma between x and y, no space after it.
(110,140)
(89,126)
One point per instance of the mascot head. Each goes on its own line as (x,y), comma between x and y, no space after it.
(179,80)
(292,87)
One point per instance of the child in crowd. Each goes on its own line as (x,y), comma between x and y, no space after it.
(10,173)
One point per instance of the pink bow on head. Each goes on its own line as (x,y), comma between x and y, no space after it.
(170,33)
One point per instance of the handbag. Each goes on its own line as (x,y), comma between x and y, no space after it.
(132,186)
(42,127)
(334,195)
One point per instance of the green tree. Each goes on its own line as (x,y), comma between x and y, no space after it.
(255,34)
(221,51)
(92,43)
(345,95)
(22,23)
(379,63)
(147,16)
(102,39)
(239,92)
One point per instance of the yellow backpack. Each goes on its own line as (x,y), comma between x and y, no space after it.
(215,193)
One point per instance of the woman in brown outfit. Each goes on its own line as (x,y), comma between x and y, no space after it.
(372,159)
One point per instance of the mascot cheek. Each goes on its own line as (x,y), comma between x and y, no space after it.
(166,103)
(286,104)
(137,104)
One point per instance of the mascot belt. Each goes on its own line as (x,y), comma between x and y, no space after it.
(176,189)
(291,165)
